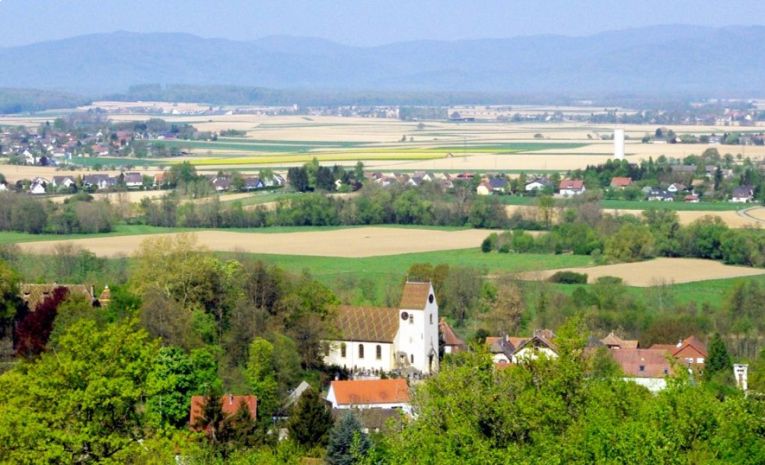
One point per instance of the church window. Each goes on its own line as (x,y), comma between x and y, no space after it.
(342,350)
(361,350)
(378,351)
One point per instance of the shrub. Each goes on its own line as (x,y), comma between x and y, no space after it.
(568,277)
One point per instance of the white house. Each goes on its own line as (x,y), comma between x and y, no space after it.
(372,340)
(369,393)
(571,187)
(38,185)
(742,194)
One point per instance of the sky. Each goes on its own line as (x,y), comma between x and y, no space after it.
(360,22)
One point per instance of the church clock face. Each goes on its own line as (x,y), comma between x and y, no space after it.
(404,316)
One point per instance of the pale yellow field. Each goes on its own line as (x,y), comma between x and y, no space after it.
(732,218)
(659,271)
(352,242)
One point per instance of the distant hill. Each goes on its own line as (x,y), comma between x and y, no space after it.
(664,60)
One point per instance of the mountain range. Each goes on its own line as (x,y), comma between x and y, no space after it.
(663,59)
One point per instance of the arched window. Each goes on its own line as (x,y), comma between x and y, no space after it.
(378,352)
(361,350)
(431,318)
(411,357)
(342,350)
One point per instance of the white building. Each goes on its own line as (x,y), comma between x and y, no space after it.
(619,144)
(371,340)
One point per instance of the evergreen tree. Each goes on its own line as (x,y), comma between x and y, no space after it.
(347,443)
(311,421)
(718,359)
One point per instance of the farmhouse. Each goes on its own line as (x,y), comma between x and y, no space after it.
(483,189)
(133,180)
(374,340)
(571,187)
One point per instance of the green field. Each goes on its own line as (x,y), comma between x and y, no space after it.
(111,162)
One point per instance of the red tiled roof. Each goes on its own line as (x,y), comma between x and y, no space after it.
(619,181)
(415,296)
(612,340)
(694,343)
(571,184)
(230,404)
(642,363)
(373,391)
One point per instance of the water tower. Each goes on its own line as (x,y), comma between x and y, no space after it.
(619,144)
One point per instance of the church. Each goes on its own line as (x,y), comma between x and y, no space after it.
(371,340)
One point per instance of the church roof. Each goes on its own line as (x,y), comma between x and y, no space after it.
(34,294)
(415,295)
(373,324)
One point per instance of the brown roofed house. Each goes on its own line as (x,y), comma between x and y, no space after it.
(612,341)
(620,182)
(452,342)
(34,294)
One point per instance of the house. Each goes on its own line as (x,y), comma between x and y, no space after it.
(452,342)
(690,351)
(571,187)
(374,340)
(369,394)
(540,344)
(646,367)
(230,404)
(691,198)
(517,349)
(676,187)
(659,195)
(499,348)
(742,194)
(619,182)
(252,183)
(133,180)
(612,341)
(221,183)
(63,181)
(98,181)
(537,184)
(38,186)
(498,184)
(483,189)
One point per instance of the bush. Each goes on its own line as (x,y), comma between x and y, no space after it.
(489,243)
(568,277)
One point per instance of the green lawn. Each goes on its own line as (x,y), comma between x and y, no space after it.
(12,237)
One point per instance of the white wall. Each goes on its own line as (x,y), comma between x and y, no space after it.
(532,353)
(352,360)
(619,144)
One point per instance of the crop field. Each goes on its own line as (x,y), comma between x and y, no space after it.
(347,242)
(660,271)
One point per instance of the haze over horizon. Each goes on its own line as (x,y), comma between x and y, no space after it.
(358,23)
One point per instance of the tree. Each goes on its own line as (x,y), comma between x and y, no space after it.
(311,420)
(298,179)
(81,404)
(347,443)
(630,243)
(35,327)
(718,360)
(261,376)
(461,292)
(10,302)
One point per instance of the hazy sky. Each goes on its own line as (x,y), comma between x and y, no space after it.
(360,22)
